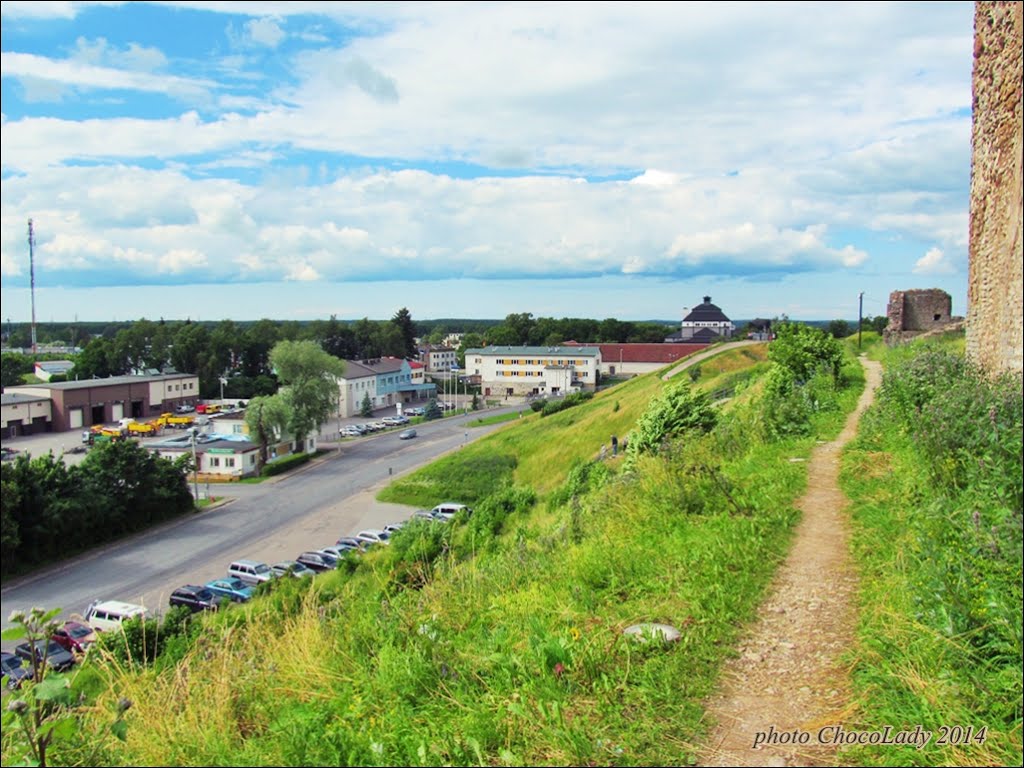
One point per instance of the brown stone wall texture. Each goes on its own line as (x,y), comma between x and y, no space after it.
(915,311)
(995,334)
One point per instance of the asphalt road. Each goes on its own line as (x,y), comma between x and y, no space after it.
(270,521)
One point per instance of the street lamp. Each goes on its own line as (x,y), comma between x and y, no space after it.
(195,464)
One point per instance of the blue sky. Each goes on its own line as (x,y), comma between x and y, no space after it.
(302,159)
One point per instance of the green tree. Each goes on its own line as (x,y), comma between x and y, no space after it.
(266,417)
(310,380)
(13,366)
(838,329)
(96,360)
(432,411)
(476,402)
(407,328)
(366,407)
(803,349)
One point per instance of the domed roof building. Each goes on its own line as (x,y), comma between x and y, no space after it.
(705,323)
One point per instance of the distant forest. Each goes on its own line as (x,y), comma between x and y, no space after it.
(238,351)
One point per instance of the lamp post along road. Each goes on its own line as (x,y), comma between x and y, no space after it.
(195,465)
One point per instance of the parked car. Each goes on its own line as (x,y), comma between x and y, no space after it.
(393,528)
(107,615)
(407,434)
(75,636)
(351,542)
(353,430)
(424,514)
(250,571)
(291,568)
(57,659)
(373,536)
(416,411)
(449,509)
(14,670)
(318,561)
(234,589)
(395,421)
(195,598)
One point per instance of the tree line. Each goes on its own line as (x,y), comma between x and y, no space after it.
(239,352)
(49,510)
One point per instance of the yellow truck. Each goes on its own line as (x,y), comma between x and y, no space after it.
(140,428)
(174,420)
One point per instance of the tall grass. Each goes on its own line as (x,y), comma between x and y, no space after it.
(497,639)
(935,477)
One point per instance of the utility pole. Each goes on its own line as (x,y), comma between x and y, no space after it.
(32,280)
(860,319)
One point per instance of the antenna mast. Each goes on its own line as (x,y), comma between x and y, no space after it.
(32,279)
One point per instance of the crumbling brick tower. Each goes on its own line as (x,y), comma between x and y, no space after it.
(994,292)
(918,311)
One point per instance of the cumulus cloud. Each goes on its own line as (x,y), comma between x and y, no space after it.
(505,140)
(934,262)
(265,30)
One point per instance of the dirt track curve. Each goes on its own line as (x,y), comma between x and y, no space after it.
(788,675)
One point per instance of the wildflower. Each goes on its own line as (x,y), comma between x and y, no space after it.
(559,669)
(17,617)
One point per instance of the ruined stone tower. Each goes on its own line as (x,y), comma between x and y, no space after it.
(995,334)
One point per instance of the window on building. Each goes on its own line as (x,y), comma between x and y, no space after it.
(214,461)
(229,462)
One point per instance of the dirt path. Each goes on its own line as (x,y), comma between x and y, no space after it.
(705,354)
(788,675)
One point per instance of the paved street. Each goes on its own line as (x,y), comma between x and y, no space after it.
(271,521)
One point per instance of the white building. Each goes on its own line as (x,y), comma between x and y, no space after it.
(358,382)
(533,370)
(47,369)
(705,323)
(440,359)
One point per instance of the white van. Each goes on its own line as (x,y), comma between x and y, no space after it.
(107,615)
(448,510)
(251,572)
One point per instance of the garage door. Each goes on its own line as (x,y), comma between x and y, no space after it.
(116,412)
(75,417)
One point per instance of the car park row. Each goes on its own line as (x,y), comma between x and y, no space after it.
(75,636)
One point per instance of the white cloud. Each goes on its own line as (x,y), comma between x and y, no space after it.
(265,31)
(99,52)
(71,73)
(934,262)
(731,151)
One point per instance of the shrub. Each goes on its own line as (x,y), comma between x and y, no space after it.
(285,464)
(569,401)
(677,410)
(804,349)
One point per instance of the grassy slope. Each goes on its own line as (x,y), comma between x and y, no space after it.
(514,655)
(539,452)
(906,671)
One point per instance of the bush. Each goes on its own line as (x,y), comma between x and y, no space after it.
(489,516)
(569,401)
(677,410)
(804,350)
(285,464)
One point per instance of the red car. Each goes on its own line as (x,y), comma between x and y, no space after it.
(75,636)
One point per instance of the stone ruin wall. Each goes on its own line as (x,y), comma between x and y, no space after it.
(917,311)
(995,334)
